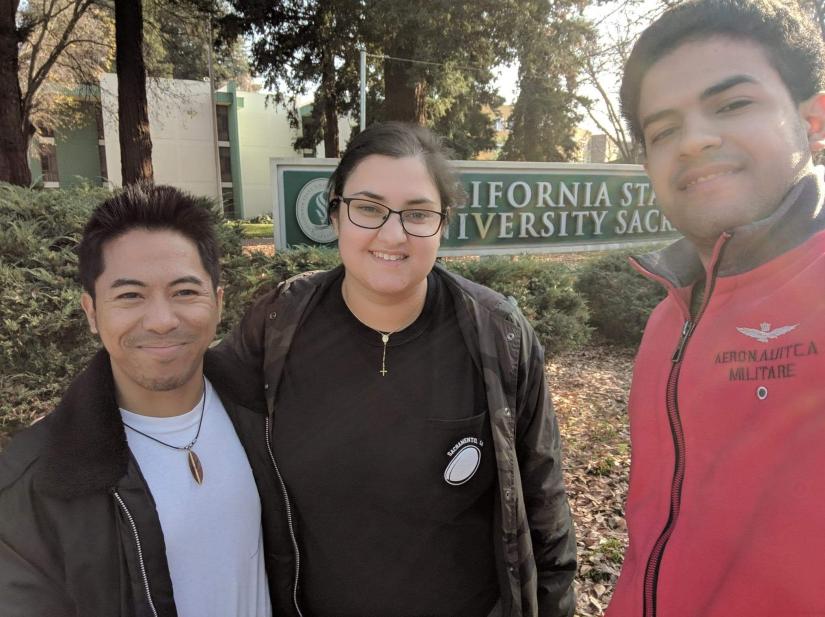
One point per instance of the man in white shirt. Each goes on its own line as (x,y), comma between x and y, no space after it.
(137,496)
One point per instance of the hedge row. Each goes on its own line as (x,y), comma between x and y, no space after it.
(44,339)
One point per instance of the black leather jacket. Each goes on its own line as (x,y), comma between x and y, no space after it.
(79,534)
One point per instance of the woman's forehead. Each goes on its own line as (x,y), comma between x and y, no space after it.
(383,177)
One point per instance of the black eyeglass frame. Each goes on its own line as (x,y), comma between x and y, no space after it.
(337,201)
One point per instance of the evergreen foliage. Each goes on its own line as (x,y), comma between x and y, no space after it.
(551,55)
(619,298)
(544,292)
(44,338)
(176,44)
(300,44)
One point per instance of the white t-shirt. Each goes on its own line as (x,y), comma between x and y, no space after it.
(214,544)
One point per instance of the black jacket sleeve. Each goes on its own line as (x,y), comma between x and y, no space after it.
(240,355)
(539,452)
(30,577)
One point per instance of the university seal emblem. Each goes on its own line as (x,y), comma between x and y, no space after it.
(311,212)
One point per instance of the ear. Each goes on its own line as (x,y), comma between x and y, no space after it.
(88,306)
(812,112)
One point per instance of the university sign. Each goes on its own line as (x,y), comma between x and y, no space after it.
(510,207)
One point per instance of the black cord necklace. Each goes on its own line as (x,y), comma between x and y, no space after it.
(195,467)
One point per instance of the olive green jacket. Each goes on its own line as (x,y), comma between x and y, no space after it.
(534,538)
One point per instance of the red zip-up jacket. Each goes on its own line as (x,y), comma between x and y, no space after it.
(726,507)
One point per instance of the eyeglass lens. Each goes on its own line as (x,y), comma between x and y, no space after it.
(416,222)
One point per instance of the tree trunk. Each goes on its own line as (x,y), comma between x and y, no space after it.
(404,99)
(329,98)
(420,113)
(133,117)
(14,129)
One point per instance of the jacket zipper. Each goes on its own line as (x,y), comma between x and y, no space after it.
(654,562)
(141,563)
(288,520)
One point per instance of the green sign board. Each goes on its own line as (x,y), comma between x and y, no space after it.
(510,207)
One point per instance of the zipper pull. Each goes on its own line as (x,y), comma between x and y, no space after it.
(686,330)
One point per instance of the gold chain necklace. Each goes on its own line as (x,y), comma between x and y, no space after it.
(195,467)
(385,338)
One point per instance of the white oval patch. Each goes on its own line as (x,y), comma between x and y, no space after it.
(464,464)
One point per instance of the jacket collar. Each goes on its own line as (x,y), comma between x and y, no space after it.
(86,450)
(799,216)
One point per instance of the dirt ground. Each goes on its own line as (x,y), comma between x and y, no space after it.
(589,389)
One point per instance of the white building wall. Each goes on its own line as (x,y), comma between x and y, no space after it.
(183,146)
(263,133)
(180,120)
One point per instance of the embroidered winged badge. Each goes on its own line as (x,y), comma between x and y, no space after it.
(765,334)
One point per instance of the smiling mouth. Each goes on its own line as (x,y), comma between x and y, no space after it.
(706,178)
(387,256)
(159,349)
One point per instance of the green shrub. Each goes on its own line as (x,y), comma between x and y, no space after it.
(544,292)
(44,333)
(247,277)
(44,339)
(619,298)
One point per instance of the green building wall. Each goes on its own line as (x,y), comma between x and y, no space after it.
(78,161)
(77,154)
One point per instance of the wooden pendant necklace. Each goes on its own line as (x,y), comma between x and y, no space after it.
(195,467)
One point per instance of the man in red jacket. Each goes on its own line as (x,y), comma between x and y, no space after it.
(726,508)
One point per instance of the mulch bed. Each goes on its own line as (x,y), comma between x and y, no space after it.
(589,389)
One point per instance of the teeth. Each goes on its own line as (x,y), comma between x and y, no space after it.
(388,257)
(708,177)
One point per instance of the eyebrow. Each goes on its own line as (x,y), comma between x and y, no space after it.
(726,84)
(186,279)
(127,282)
(711,91)
(136,283)
(410,202)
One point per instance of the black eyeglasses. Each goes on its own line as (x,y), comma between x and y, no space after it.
(372,215)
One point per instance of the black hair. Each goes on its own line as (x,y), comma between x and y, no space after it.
(398,140)
(792,43)
(146,206)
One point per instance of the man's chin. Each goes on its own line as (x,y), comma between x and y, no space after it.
(165,383)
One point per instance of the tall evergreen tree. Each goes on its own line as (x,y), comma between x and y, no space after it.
(550,53)
(426,43)
(301,44)
(420,53)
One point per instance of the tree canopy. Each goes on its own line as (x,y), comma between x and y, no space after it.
(430,62)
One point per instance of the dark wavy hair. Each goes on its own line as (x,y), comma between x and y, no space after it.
(791,41)
(399,140)
(146,206)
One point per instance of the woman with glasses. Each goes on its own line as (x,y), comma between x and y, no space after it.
(407,417)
